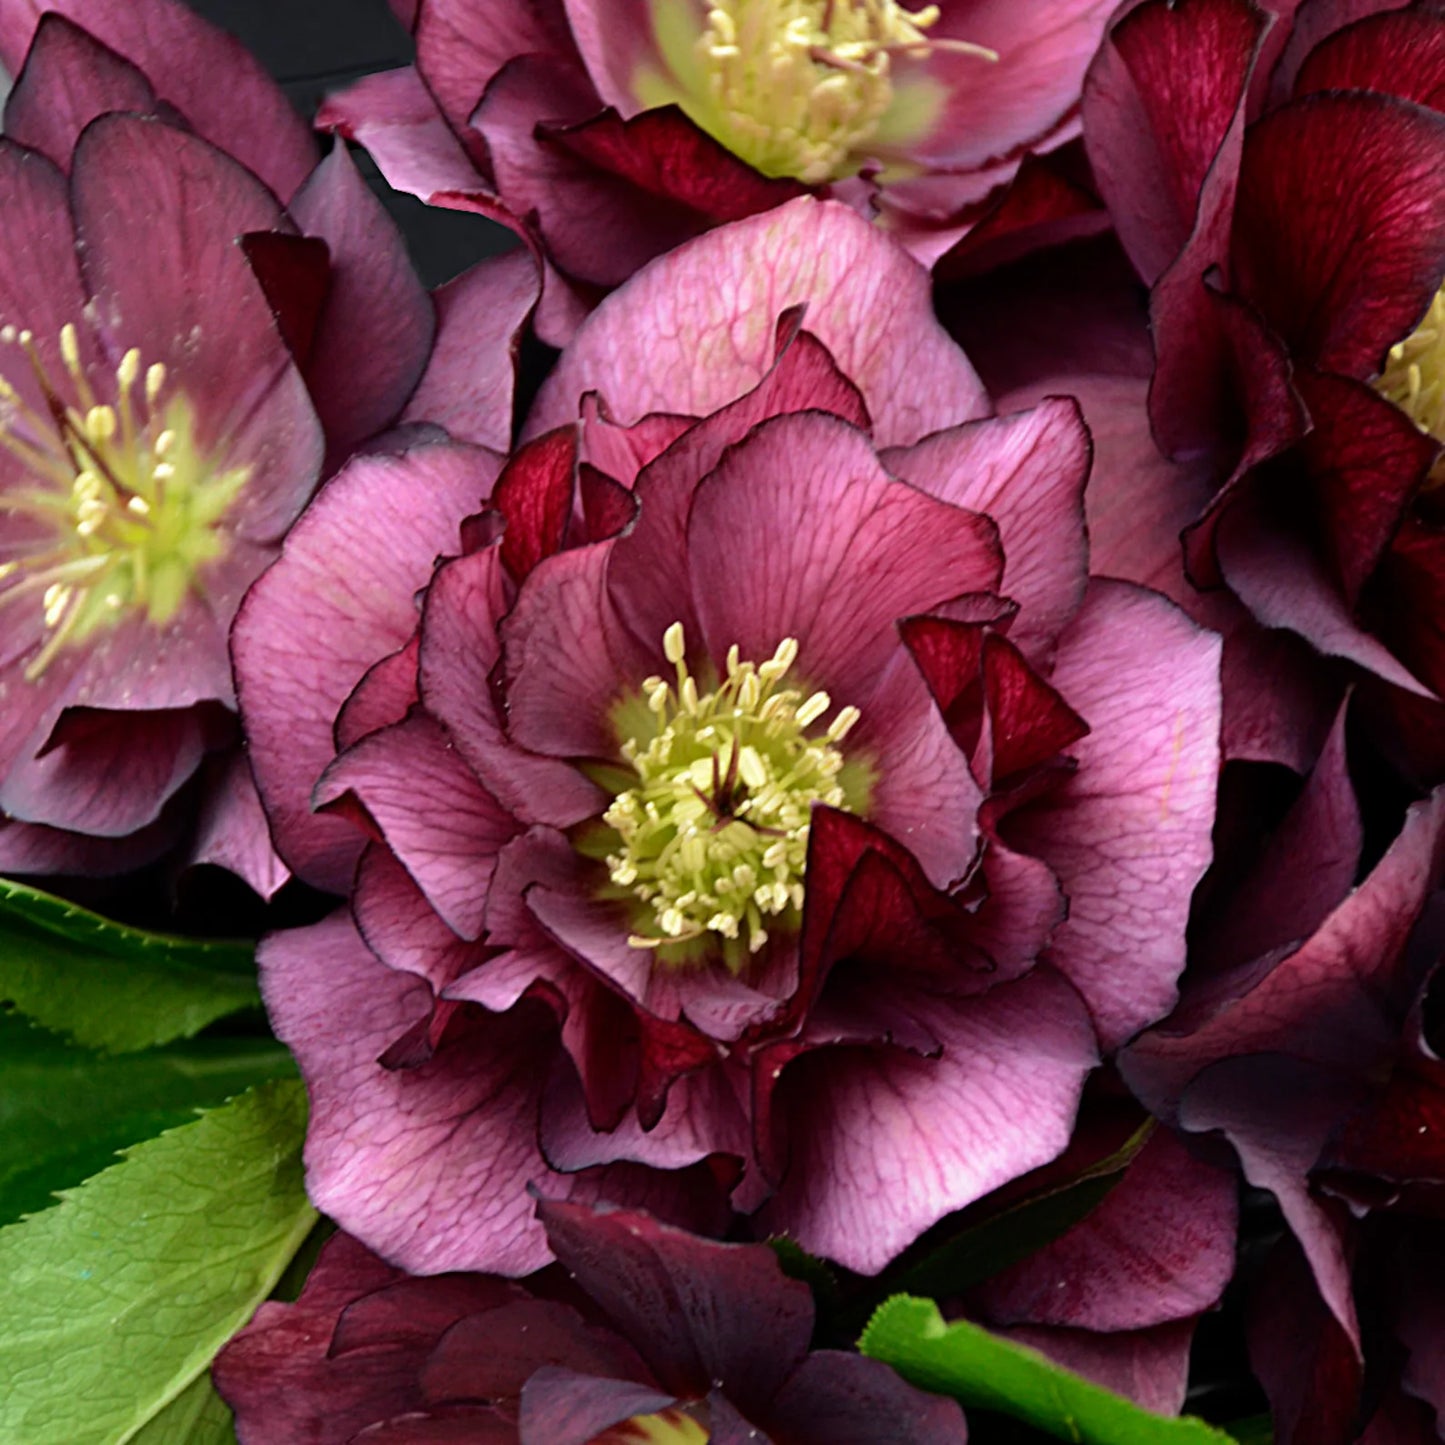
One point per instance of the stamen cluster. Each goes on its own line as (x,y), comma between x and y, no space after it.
(125,504)
(1414,377)
(799,84)
(714,837)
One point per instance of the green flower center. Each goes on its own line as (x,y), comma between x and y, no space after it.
(122,503)
(668,1427)
(795,87)
(1414,378)
(714,836)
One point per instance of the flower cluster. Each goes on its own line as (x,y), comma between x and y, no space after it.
(857,713)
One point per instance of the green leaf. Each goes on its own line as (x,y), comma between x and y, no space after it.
(197,1416)
(109,986)
(117,1298)
(65,1112)
(982,1370)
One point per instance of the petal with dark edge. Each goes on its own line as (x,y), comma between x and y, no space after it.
(333,605)
(671,341)
(181,55)
(1128,834)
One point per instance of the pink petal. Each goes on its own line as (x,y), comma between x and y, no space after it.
(427,1165)
(467,384)
(395,117)
(1129,833)
(40,286)
(386,693)
(993,109)
(400,925)
(924,792)
(376,330)
(157,213)
(665,343)
(231,832)
(800,533)
(464,606)
(649,563)
(69,78)
(408,782)
(32,848)
(1026,472)
(108,773)
(333,605)
(1160,1247)
(462,44)
(568,658)
(181,55)
(884,1143)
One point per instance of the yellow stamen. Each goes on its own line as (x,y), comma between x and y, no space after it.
(713,839)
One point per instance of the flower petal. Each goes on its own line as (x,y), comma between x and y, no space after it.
(376,329)
(885,1144)
(695,329)
(1026,472)
(468,382)
(332,606)
(799,532)
(1159,1247)
(1129,833)
(181,55)
(703,1315)
(428,1165)
(1315,177)
(408,783)
(69,78)
(157,213)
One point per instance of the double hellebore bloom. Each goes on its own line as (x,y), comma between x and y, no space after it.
(610,130)
(726,802)
(1294,238)
(658,1338)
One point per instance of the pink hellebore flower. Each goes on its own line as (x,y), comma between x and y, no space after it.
(123,562)
(727,802)
(656,1336)
(156,440)
(608,131)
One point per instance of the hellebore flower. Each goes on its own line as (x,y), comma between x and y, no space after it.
(607,133)
(723,812)
(1295,362)
(656,1336)
(157,440)
(355,321)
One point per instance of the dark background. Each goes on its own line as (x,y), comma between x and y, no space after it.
(314,47)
